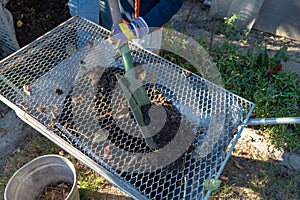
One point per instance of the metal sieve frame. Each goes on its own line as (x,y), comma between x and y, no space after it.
(33,64)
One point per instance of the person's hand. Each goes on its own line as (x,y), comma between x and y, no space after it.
(122,32)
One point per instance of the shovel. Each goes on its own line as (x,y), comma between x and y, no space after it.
(132,88)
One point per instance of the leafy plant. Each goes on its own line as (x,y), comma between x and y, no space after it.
(230,20)
(178,60)
(2,54)
(228,28)
(272,64)
(92,182)
(212,184)
(257,77)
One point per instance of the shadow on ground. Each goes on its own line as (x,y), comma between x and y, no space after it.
(90,195)
(248,178)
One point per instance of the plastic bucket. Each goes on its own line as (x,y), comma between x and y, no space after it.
(30,180)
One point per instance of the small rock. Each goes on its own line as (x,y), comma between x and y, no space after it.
(294,161)
(19,23)
(61,153)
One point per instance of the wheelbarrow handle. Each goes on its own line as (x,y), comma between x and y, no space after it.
(279,120)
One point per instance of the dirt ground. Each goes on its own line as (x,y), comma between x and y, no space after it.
(251,172)
(34,18)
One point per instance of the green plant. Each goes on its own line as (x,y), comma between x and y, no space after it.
(178,60)
(246,32)
(256,76)
(91,182)
(271,64)
(2,54)
(230,20)
(227,27)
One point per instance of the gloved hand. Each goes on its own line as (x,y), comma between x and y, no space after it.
(122,32)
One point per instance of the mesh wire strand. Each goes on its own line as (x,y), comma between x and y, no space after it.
(66,81)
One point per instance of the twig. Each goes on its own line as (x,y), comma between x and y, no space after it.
(188,16)
(212,33)
(70,129)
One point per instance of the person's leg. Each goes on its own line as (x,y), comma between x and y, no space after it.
(88,9)
(105,15)
(8,40)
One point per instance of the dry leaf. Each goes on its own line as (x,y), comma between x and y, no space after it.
(100,135)
(238,165)
(117,55)
(110,40)
(52,123)
(140,73)
(27,90)
(187,74)
(42,109)
(223,178)
(234,84)
(2,130)
(19,23)
(107,153)
(152,77)
(18,150)
(92,42)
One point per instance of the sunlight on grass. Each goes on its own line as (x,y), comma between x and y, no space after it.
(233,192)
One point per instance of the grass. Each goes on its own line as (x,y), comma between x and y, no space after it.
(37,147)
(275,93)
(267,185)
(260,178)
(255,75)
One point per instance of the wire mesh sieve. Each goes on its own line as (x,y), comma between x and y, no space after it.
(64,85)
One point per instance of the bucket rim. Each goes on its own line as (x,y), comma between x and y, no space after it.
(65,160)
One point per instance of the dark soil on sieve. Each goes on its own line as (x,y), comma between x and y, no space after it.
(170,128)
(137,144)
(57,191)
(162,138)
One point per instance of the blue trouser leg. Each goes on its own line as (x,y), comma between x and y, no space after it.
(95,10)
(88,9)
(105,16)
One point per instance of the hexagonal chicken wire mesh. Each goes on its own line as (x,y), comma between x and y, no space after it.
(64,85)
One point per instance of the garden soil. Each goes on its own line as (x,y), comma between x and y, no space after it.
(253,156)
